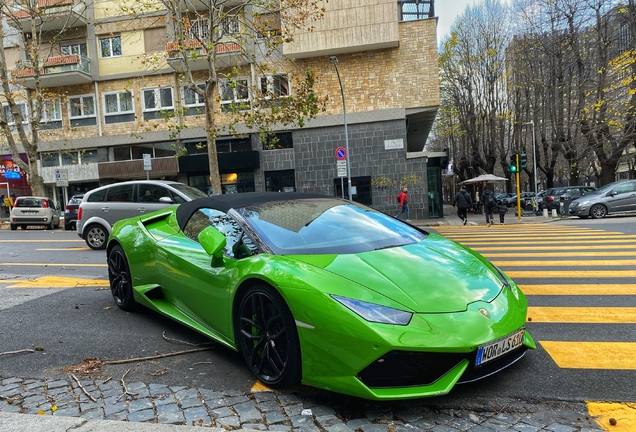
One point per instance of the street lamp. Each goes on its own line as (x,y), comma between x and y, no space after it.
(534,157)
(334,61)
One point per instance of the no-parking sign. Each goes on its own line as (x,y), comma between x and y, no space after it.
(341,153)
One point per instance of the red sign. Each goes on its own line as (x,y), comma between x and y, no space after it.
(341,153)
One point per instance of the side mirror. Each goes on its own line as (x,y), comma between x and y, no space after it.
(613,193)
(213,242)
(165,200)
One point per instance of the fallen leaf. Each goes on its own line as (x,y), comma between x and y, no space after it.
(108,308)
(41,412)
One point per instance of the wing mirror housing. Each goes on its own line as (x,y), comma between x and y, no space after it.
(213,242)
(165,200)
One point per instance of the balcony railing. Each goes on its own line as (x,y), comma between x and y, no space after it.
(195,48)
(48,15)
(57,64)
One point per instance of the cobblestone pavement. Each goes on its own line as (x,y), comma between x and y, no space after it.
(303,411)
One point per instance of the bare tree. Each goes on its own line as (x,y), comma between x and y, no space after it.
(215,42)
(25,108)
(473,77)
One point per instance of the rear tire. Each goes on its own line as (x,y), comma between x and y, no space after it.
(266,335)
(96,237)
(14,227)
(598,211)
(120,279)
(68,227)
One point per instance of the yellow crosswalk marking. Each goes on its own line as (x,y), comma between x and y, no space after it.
(65,249)
(56,282)
(592,355)
(564,240)
(604,315)
(551,247)
(565,274)
(579,289)
(52,240)
(602,412)
(557,254)
(52,264)
(560,263)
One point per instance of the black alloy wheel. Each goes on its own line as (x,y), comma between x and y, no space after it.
(598,211)
(120,279)
(267,337)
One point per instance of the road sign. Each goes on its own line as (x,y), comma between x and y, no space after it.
(61,177)
(341,165)
(147,162)
(341,153)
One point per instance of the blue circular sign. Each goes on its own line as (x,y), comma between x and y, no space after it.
(341,153)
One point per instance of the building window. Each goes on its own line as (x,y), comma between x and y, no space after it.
(74,49)
(281,140)
(268,25)
(199,29)
(51,111)
(156,100)
(274,85)
(192,101)
(69,158)
(23,110)
(234,94)
(110,46)
(229,26)
(89,156)
(280,181)
(411,10)
(50,159)
(118,107)
(81,110)
(121,153)
(81,106)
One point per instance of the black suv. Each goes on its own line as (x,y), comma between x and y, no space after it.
(552,197)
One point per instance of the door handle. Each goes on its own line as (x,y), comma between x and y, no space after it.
(105,209)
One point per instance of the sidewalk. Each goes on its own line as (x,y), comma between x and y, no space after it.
(450,218)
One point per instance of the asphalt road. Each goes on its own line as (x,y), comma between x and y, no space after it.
(71,321)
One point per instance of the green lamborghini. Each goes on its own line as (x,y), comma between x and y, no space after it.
(322,291)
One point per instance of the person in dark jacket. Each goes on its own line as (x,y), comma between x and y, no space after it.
(490,204)
(502,209)
(463,201)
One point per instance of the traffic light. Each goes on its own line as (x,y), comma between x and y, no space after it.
(523,161)
(513,163)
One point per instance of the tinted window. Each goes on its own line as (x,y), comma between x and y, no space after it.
(29,202)
(120,193)
(624,188)
(189,191)
(312,226)
(152,193)
(97,196)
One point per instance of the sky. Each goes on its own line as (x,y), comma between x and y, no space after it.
(447,11)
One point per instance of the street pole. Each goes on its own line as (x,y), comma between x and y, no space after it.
(534,158)
(334,61)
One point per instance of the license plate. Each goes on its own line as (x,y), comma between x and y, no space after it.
(495,349)
(29,212)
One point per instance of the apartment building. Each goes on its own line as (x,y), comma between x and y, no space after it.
(113,78)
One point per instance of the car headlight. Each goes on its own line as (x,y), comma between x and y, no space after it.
(582,203)
(375,313)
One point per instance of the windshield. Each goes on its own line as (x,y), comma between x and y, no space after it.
(189,191)
(326,226)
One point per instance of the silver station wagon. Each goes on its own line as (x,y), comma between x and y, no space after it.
(104,206)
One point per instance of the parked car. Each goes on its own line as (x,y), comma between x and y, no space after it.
(38,211)
(70,211)
(102,207)
(503,197)
(552,198)
(313,289)
(617,197)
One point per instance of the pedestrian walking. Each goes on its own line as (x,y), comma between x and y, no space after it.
(502,209)
(490,204)
(403,200)
(463,201)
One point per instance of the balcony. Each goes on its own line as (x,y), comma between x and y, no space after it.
(134,169)
(50,15)
(227,54)
(58,71)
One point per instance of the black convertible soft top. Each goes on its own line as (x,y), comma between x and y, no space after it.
(229,201)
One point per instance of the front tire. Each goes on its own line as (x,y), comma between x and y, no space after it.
(120,279)
(96,237)
(598,211)
(267,337)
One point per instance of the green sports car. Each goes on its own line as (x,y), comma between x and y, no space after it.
(322,291)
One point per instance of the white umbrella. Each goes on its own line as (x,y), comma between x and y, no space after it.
(484,178)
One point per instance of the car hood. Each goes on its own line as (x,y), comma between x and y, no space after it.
(435,275)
